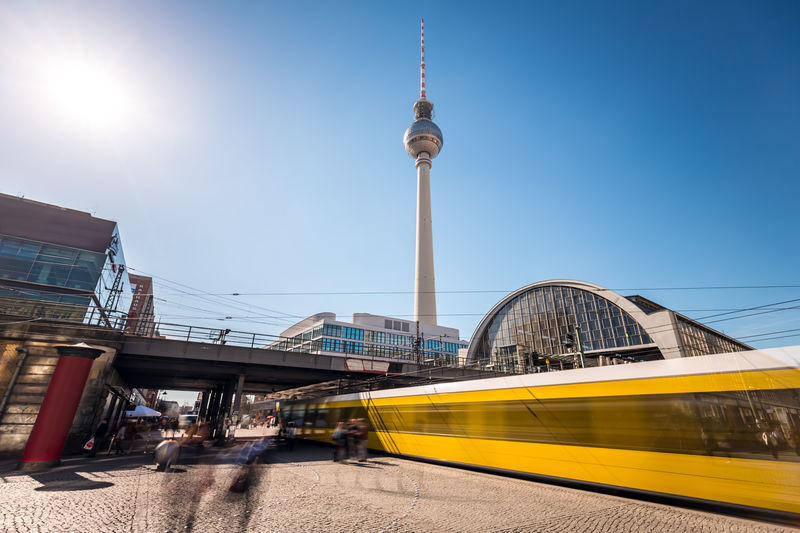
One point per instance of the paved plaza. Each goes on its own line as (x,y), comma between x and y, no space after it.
(303,490)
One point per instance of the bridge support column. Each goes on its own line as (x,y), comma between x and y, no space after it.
(227,400)
(201,413)
(213,405)
(64,392)
(224,410)
(237,403)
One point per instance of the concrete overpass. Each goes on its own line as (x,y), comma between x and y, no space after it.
(149,362)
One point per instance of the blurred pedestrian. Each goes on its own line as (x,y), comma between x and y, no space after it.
(339,438)
(99,436)
(352,439)
(291,432)
(120,438)
(361,438)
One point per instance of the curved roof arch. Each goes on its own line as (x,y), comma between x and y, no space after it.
(617,299)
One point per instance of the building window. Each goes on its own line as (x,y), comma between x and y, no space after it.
(353,347)
(353,333)
(329,330)
(331,345)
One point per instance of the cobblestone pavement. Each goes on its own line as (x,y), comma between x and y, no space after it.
(303,490)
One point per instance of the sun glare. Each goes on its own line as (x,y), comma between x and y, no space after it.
(86,95)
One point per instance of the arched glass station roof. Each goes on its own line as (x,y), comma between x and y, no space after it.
(538,327)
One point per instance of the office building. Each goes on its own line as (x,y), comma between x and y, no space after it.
(375,337)
(61,263)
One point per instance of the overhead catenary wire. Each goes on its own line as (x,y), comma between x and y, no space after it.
(769,333)
(475,291)
(218,300)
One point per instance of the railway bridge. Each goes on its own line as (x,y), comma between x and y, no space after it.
(222,364)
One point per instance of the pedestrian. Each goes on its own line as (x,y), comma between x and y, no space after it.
(291,432)
(120,437)
(99,436)
(339,438)
(352,439)
(361,436)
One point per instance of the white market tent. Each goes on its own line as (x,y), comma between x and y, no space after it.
(142,411)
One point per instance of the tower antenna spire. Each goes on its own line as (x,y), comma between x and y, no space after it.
(422,59)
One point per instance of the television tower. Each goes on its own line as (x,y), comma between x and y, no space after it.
(423,141)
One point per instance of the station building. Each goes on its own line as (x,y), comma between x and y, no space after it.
(60,263)
(544,326)
(375,337)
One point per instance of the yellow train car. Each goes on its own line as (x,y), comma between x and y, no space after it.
(720,428)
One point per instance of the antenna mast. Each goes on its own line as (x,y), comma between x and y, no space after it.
(422,60)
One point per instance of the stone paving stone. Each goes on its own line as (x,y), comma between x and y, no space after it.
(305,491)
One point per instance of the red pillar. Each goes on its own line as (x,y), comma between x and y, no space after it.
(50,431)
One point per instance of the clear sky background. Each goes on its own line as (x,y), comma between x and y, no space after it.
(257,148)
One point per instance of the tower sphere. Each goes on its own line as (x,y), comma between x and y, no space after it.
(423,136)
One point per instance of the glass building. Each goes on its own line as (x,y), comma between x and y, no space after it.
(374,337)
(60,264)
(566,324)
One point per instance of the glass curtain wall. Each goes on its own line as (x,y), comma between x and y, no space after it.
(541,322)
(57,282)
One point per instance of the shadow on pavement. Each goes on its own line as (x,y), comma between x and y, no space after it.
(67,481)
(363,464)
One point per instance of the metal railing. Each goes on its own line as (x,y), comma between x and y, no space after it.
(225,336)
(222,336)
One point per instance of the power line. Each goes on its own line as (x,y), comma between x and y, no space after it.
(751,314)
(473,291)
(775,338)
(770,333)
(750,309)
(216,300)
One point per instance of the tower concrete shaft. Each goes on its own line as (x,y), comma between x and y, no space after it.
(424,284)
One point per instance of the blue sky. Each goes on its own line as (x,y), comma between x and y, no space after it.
(633,145)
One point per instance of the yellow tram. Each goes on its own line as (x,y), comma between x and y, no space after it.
(722,428)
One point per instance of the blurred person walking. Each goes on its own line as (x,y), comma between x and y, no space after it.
(339,438)
(99,436)
(361,439)
(121,437)
(352,439)
(291,432)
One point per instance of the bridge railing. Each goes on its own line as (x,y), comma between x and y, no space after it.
(223,336)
